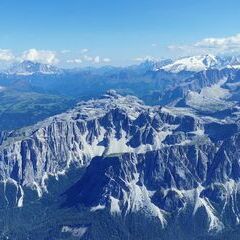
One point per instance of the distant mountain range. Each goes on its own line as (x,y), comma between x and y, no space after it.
(189,81)
(192,63)
(26,68)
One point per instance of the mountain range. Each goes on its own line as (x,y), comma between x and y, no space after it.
(192,63)
(155,158)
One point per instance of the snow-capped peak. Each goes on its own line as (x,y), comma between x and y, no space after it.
(151,64)
(232,62)
(29,68)
(193,63)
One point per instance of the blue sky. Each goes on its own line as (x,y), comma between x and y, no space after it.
(87,32)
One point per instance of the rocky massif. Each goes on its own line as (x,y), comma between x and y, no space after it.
(174,165)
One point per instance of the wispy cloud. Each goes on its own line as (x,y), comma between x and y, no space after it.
(88,60)
(43,56)
(145,58)
(84,50)
(223,45)
(106,60)
(6,55)
(64,51)
(77,60)
(96,59)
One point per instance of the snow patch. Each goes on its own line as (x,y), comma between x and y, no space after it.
(75,231)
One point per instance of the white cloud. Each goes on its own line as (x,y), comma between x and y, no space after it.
(106,60)
(227,43)
(65,51)
(77,60)
(211,45)
(138,59)
(43,56)
(154,45)
(88,58)
(96,59)
(84,50)
(6,55)
(146,58)
(49,57)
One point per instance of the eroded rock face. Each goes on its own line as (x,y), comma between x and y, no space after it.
(111,125)
(163,162)
(172,180)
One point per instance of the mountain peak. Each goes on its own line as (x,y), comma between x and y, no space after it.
(29,68)
(192,63)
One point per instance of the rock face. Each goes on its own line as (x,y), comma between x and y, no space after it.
(110,125)
(167,163)
(172,180)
